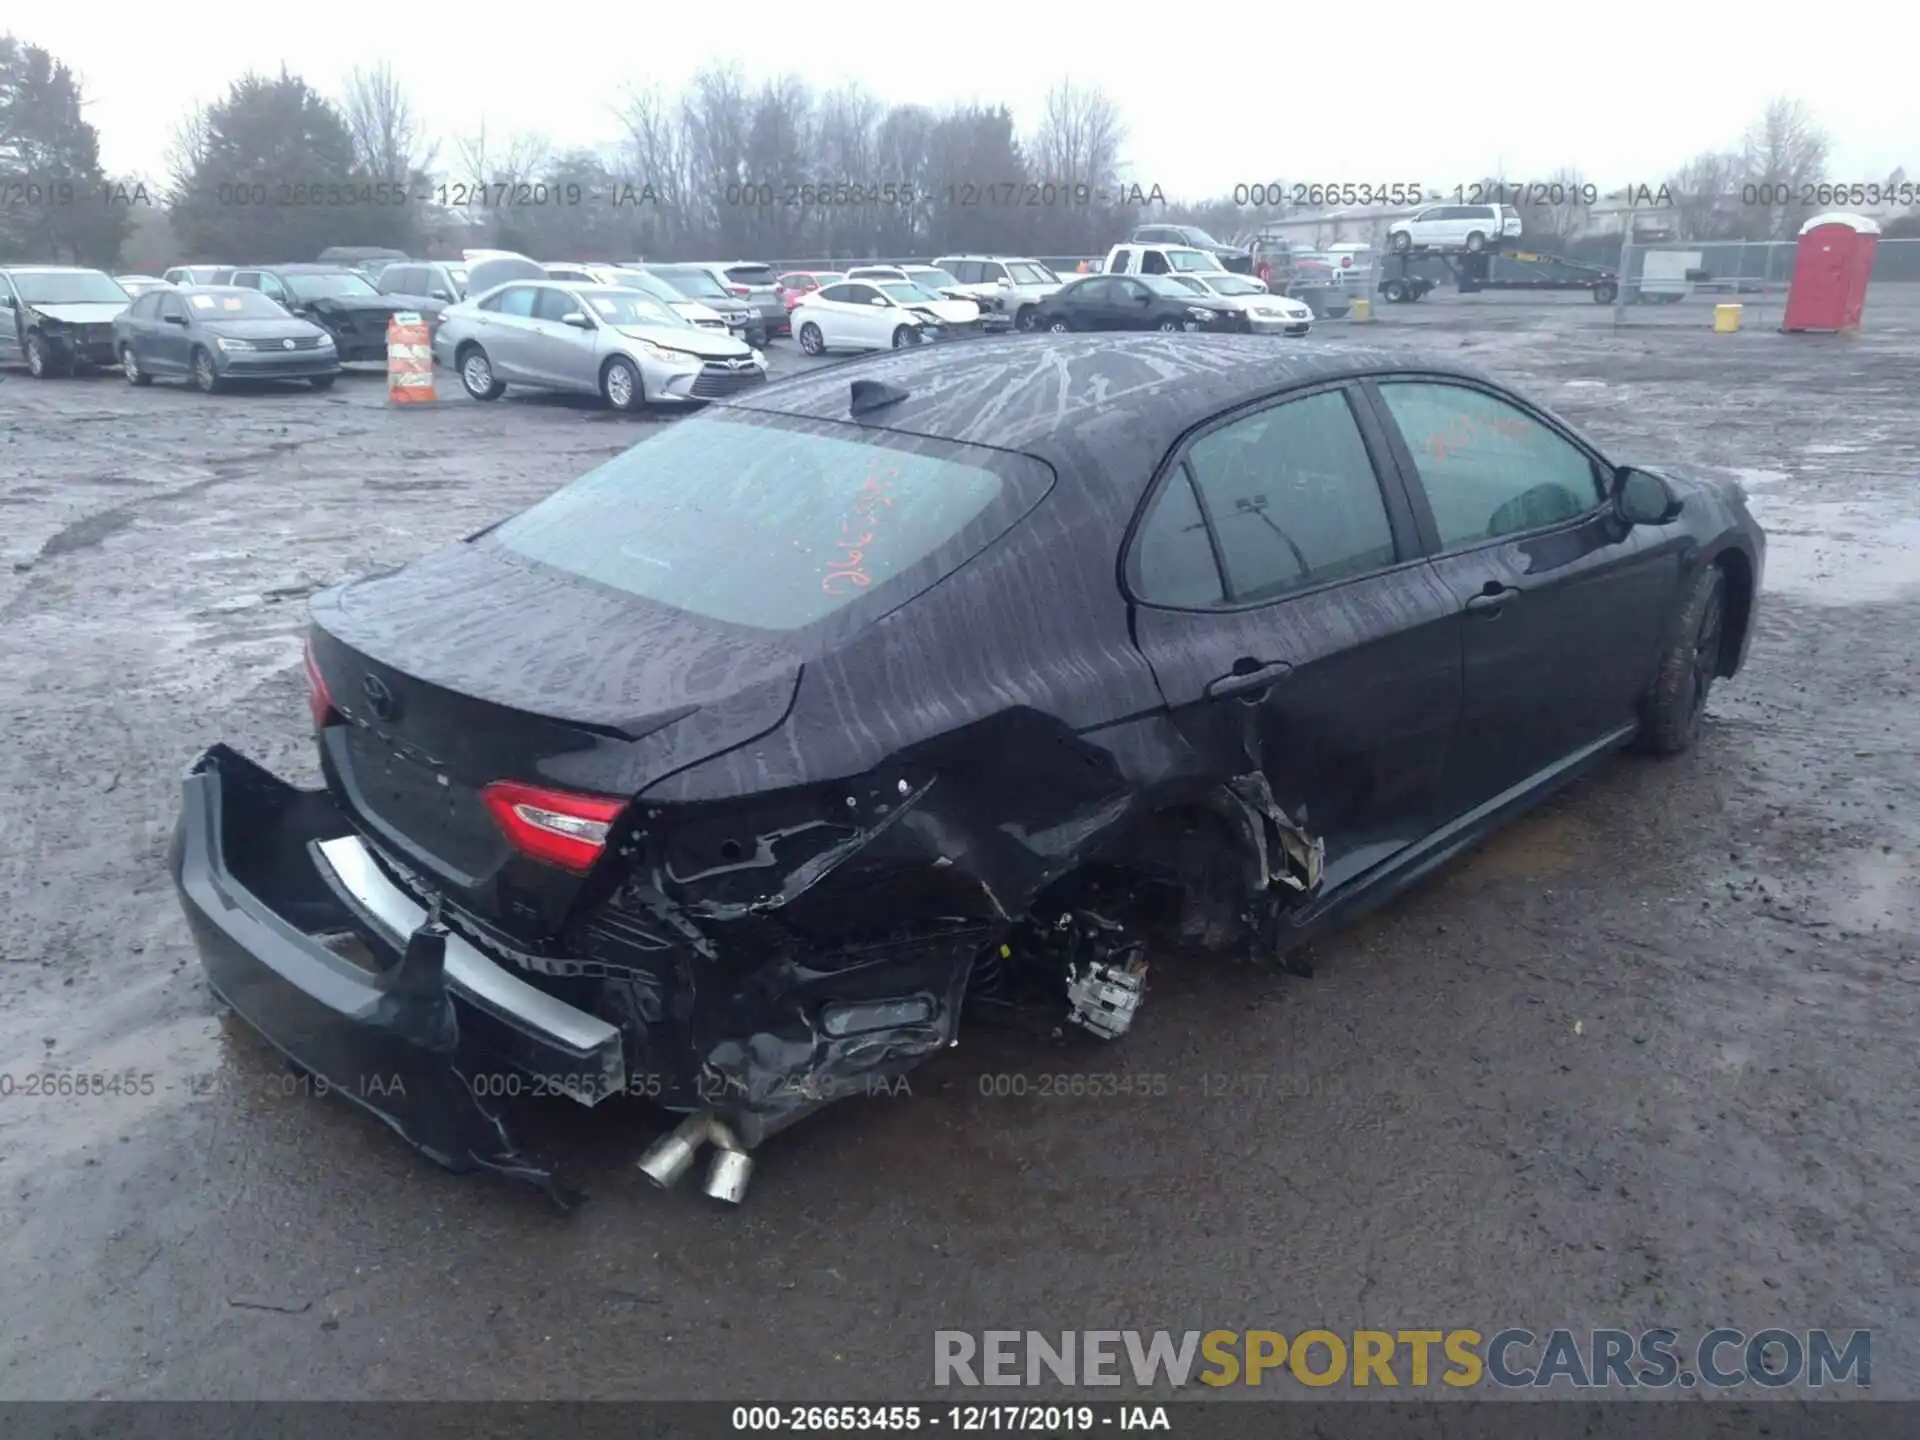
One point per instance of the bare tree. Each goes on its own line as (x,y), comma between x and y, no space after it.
(187,153)
(1080,136)
(1706,196)
(485,158)
(1782,151)
(1563,210)
(389,140)
(1079,142)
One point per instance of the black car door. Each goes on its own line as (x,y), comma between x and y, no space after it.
(1293,628)
(1086,304)
(1563,604)
(1135,307)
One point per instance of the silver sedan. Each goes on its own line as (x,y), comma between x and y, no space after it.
(620,344)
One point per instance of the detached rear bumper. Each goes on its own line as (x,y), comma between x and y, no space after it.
(304,936)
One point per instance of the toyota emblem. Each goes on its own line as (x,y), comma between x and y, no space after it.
(379,698)
(286,344)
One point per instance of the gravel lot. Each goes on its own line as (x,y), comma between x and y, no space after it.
(1644,1059)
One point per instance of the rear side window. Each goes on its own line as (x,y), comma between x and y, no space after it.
(1292,498)
(777,523)
(1173,559)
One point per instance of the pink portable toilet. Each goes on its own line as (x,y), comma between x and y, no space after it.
(1830,272)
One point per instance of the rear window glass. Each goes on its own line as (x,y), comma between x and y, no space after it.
(751,274)
(777,523)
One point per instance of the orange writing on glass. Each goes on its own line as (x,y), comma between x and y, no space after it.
(844,574)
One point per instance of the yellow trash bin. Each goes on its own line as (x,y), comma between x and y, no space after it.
(1362,310)
(1726,319)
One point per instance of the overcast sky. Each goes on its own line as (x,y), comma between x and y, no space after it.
(1628,98)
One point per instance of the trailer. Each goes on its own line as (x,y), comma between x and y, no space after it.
(1408,276)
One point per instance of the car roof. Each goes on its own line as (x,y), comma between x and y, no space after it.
(50,270)
(298,269)
(1104,400)
(980,255)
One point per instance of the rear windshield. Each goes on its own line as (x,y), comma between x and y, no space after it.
(697,284)
(751,274)
(775,522)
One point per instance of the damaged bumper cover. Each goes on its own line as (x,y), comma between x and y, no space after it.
(301,933)
(344,963)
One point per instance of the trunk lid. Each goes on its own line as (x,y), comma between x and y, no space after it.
(471,666)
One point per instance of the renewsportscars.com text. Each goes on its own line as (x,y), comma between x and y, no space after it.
(1600,1359)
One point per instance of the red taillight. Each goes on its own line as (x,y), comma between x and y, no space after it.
(741,289)
(319,698)
(556,826)
(1345,261)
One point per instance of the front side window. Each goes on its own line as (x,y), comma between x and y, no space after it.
(776,523)
(554,305)
(1488,468)
(1292,497)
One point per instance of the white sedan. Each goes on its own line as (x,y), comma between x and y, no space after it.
(879,315)
(1265,312)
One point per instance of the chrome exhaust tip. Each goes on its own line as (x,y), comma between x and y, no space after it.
(672,1155)
(727,1177)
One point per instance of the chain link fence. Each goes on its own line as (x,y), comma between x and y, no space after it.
(1676,283)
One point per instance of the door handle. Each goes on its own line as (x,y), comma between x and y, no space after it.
(1492,600)
(1249,678)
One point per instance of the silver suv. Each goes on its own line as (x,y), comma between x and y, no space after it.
(1009,284)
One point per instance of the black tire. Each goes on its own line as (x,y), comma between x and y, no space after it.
(206,377)
(812,342)
(1395,291)
(621,386)
(1605,292)
(1026,319)
(130,367)
(1671,711)
(476,374)
(40,363)
(1400,242)
(1060,325)
(1476,242)
(322,382)
(905,335)
(1167,327)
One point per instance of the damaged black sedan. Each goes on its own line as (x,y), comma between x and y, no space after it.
(728,775)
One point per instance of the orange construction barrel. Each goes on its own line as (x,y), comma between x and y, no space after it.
(409,361)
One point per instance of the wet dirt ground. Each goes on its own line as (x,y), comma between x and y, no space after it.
(1645,1059)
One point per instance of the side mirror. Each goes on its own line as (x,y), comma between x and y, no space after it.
(577,319)
(179,320)
(877,300)
(1004,283)
(439,295)
(1644,498)
(8,301)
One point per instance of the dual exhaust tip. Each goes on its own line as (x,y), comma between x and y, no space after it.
(672,1155)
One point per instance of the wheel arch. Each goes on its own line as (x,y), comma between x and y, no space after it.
(1737,569)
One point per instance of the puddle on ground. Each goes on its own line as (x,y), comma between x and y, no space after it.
(1758,479)
(1840,552)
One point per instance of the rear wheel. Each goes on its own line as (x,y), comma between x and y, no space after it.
(1604,292)
(205,377)
(620,385)
(1400,241)
(903,336)
(812,342)
(1027,319)
(1674,706)
(1395,291)
(1476,242)
(130,367)
(1167,325)
(476,375)
(1059,325)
